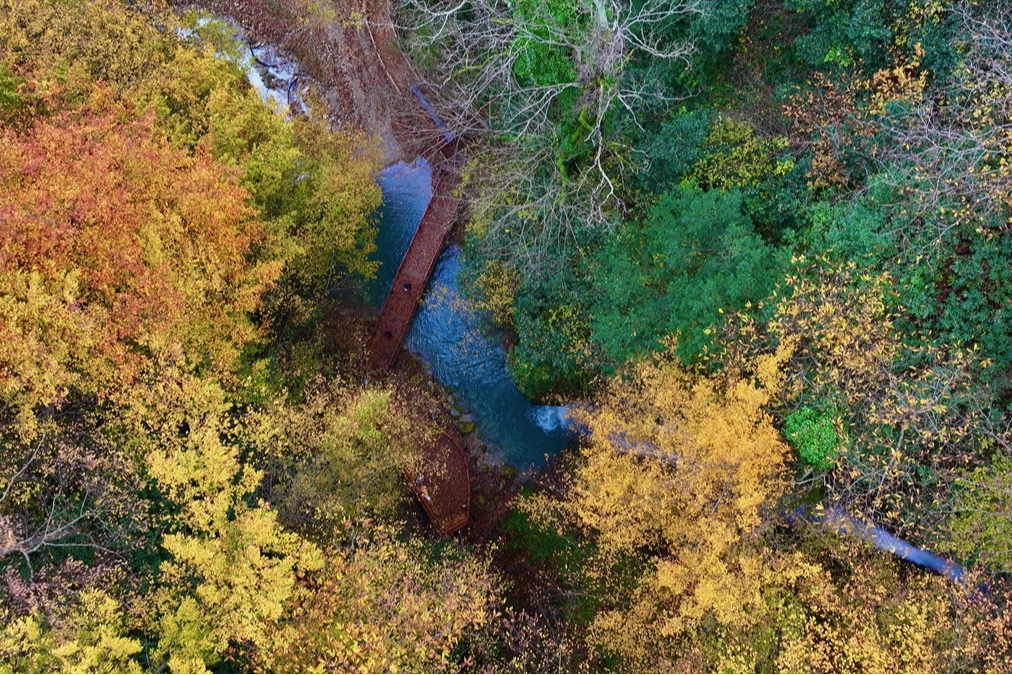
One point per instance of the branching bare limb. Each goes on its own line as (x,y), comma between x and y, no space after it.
(536,92)
(956,148)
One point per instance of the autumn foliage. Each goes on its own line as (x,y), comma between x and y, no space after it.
(159,225)
(127,247)
(781,305)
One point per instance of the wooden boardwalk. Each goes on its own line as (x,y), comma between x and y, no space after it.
(420,259)
(441,480)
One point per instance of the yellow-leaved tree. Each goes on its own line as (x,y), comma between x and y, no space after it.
(231,573)
(680,467)
(335,459)
(89,635)
(391,605)
(680,493)
(901,411)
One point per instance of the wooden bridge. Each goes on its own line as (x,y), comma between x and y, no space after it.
(420,259)
(442,483)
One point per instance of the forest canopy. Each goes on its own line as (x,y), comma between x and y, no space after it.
(759,249)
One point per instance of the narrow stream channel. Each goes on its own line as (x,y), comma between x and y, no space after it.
(446,333)
(449,335)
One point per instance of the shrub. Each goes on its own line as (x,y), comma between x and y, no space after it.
(814,437)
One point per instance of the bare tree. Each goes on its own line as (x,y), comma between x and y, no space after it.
(513,74)
(54,493)
(955,148)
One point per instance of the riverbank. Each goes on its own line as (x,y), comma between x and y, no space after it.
(493,484)
(351,53)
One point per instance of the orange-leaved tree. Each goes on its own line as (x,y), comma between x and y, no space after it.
(137,247)
(118,253)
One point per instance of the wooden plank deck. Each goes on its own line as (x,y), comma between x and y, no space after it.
(442,482)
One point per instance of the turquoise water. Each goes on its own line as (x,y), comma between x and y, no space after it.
(407,189)
(450,336)
(447,335)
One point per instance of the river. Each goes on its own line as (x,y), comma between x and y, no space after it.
(457,344)
(453,339)
(447,334)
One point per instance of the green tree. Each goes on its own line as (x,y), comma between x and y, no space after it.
(695,258)
(546,84)
(813,435)
(554,352)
